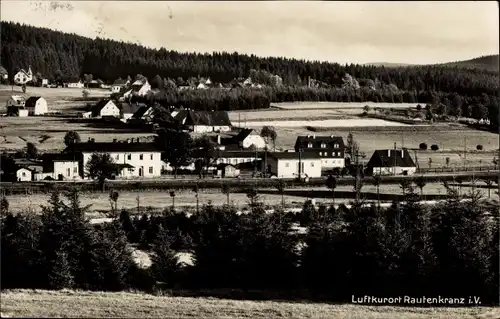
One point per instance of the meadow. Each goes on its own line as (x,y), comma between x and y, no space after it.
(50,304)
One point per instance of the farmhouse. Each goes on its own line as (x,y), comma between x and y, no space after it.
(16,100)
(133,159)
(24,174)
(36,105)
(391,162)
(139,88)
(331,149)
(59,166)
(127,110)
(204,121)
(293,165)
(118,85)
(248,137)
(23,77)
(227,170)
(103,109)
(27,169)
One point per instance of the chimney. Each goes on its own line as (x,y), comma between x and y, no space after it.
(114,140)
(93,140)
(89,140)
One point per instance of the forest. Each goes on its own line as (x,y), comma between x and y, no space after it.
(60,56)
(450,249)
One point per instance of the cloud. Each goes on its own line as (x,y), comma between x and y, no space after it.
(358,32)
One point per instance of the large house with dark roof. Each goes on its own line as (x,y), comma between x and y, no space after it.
(248,137)
(133,159)
(391,162)
(204,121)
(36,105)
(127,110)
(330,148)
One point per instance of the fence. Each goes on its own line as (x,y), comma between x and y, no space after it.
(486,168)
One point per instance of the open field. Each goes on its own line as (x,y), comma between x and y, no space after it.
(292,114)
(39,303)
(342,105)
(326,123)
(158,200)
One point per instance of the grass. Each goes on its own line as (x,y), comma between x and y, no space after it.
(158,200)
(342,105)
(67,303)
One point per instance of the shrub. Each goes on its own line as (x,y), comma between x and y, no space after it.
(479,147)
(423,146)
(434,147)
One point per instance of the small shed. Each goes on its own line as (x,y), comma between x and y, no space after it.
(24,175)
(227,170)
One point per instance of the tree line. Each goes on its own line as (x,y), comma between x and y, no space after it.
(56,54)
(406,249)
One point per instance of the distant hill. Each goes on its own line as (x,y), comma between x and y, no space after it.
(389,64)
(489,62)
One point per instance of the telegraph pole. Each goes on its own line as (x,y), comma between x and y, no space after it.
(300,163)
(394,164)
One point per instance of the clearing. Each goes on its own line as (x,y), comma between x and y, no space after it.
(40,303)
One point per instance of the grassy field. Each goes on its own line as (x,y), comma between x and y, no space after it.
(66,303)
(342,105)
(158,200)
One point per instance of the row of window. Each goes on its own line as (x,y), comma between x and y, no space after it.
(129,157)
(323,145)
(235,160)
(326,153)
(68,171)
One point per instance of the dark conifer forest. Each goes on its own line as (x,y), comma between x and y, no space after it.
(55,55)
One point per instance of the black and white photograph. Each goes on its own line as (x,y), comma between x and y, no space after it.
(250,159)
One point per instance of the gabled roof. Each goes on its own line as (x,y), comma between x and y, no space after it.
(181,115)
(106,147)
(243,134)
(386,158)
(131,108)
(18,98)
(120,82)
(317,141)
(31,101)
(293,155)
(215,118)
(141,111)
(96,109)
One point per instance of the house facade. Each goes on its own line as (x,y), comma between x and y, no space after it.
(76,85)
(24,175)
(248,137)
(291,165)
(139,88)
(36,105)
(104,108)
(60,166)
(205,121)
(391,162)
(23,77)
(331,149)
(133,159)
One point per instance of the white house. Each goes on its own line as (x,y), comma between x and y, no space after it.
(45,82)
(104,108)
(204,121)
(391,162)
(139,88)
(293,165)
(133,159)
(16,100)
(59,166)
(36,105)
(76,85)
(24,174)
(248,137)
(23,77)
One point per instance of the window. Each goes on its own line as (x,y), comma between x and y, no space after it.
(151,170)
(333,153)
(117,157)
(287,164)
(68,172)
(141,156)
(312,164)
(75,169)
(336,146)
(24,174)
(130,170)
(151,157)
(309,145)
(323,145)
(129,156)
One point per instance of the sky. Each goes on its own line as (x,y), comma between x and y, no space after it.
(419,32)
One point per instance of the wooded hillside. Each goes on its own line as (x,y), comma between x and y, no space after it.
(53,54)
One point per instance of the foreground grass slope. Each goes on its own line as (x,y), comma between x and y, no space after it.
(66,303)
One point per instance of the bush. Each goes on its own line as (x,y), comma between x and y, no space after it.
(423,146)
(479,147)
(434,147)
